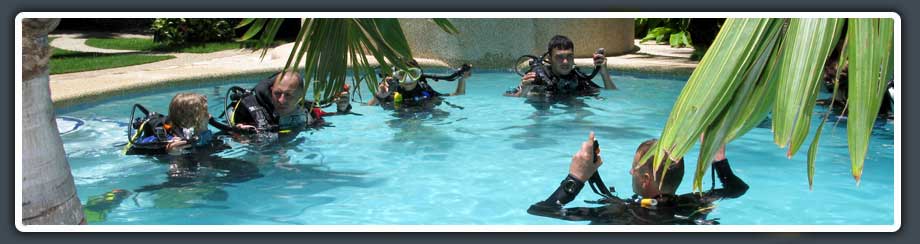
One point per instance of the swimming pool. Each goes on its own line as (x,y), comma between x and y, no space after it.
(484,163)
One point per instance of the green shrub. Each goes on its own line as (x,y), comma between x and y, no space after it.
(677,32)
(181,31)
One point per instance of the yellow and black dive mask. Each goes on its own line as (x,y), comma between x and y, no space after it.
(407,77)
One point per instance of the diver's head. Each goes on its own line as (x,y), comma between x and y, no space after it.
(644,185)
(287,92)
(189,111)
(408,79)
(561,54)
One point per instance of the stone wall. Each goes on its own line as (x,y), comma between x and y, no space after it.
(496,43)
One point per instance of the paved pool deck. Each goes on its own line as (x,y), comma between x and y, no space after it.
(75,88)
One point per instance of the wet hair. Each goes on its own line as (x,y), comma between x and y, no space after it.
(675,174)
(296,74)
(186,109)
(560,42)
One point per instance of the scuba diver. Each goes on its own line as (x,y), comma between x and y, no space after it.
(183,134)
(563,79)
(184,128)
(409,89)
(654,202)
(277,105)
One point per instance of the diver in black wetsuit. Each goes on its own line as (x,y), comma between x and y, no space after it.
(650,205)
(277,105)
(562,80)
(408,90)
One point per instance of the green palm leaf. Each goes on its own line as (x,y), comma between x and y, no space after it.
(326,46)
(808,43)
(756,65)
(713,84)
(870,53)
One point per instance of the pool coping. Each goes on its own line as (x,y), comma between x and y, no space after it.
(83,87)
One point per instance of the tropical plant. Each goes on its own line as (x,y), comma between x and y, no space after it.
(664,31)
(756,66)
(181,31)
(698,32)
(326,46)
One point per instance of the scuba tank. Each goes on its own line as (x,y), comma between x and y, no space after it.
(148,132)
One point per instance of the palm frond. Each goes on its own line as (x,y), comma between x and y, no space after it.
(713,84)
(761,65)
(807,44)
(870,52)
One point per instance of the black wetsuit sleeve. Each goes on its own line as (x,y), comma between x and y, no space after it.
(566,192)
(732,186)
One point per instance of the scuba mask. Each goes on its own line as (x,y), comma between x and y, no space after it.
(407,77)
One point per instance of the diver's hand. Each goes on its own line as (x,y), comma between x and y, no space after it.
(246,127)
(599,59)
(720,154)
(528,78)
(177,146)
(384,87)
(582,166)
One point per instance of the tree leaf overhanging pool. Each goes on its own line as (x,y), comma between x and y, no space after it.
(327,46)
(756,64)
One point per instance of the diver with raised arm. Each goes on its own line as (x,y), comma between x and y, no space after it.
(654,201)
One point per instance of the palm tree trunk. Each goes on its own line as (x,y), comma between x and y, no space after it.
(48,192)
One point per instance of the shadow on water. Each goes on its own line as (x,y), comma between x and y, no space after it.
(298,179)
(542,133)
(194,180)
(416,131)
(199,181)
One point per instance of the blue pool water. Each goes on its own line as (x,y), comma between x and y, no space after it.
(483,164)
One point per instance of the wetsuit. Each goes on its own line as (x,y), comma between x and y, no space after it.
(574,84)
(421,96)
(690,208)
(256,109)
